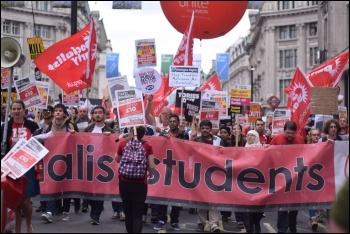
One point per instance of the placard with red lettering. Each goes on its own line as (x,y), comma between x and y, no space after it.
(5,78)
(146,53)
(217,96)
(44,89)
(148,80)
(70,99)
(280,117)
(28,92)
(210,110)
(130,108)
(24,158)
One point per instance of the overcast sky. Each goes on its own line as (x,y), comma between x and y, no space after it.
(123,27)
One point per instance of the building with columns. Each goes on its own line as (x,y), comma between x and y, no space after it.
(284,34)
(41,18)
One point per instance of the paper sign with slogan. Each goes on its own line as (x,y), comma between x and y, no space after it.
(184,76)
(130,108)
(254,112)
(210,111)
(148,80)
(146,53)
(36,47)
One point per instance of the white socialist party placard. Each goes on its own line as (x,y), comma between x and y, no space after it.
(148,80)
(130,108)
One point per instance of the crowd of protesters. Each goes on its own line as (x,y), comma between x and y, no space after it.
(59,118)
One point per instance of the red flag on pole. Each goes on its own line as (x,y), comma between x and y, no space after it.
(329,73)
(299,100)
(183,56)
(213,83)
(70,63)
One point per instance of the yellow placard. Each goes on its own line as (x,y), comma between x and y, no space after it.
(240,93)
(36,47)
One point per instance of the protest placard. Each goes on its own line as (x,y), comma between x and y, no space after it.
(324,100)
(130,108)
(280,117)
(148,80)
(43,88)
(28,92)
(146,53)
(114,84)
(36,47)
(70,99)
(210,111)
(217,96)
(184,76)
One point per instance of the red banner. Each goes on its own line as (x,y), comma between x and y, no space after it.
(213,83)
(70,63)
(196,174)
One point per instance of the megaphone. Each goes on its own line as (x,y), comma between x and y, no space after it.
(11,53)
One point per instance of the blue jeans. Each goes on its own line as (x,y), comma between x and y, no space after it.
(312,213)
(285,220)
(117,206)
(154,209)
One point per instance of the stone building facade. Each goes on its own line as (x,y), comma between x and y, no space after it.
(40,18)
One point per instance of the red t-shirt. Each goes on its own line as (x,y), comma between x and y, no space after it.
(282,140)
(149,151)
(263,139)
(19,131)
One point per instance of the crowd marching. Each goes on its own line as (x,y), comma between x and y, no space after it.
(133,191)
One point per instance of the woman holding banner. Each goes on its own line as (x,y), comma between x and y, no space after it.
(252,219)
(21,127)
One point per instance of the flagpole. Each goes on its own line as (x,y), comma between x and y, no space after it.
(186,60)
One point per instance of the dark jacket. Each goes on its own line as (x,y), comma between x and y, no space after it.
(324,139)
(106,128)
(215,139)
(180,134)
(27,123)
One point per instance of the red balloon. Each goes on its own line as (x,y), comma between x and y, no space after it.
(211,18)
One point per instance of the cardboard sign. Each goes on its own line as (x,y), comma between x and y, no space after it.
(148,80)
(130,108)
(184,76)
(324,100)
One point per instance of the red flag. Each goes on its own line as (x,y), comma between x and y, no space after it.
(213,83)
(299,100)
(329,73)
(183,56)
(70,63)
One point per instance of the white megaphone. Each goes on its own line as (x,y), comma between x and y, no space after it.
(11,53)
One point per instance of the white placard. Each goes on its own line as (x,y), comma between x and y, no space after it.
(114,84)
(184,76)
(148,80)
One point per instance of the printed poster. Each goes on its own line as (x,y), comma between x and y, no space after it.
(217,96)
(191,103)
(112,61)
(184,76)
(5,78)
(210,110)
(146,53)
(130,108)
(280,117)
(222,65)
(114,84)
(166,62)
(36,47)
(148,80)
(28,91)
(43,88)
(70,99)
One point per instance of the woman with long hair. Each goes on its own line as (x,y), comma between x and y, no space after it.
(21,127)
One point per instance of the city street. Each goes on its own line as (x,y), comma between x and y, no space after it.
(80,223)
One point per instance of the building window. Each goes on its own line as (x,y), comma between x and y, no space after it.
(42,31)
(293,31)
(11,27)
(312,3)
(283,32)
(42,5)
(313,56)
(6,27)
(313,29)
(283,85)
(285,5)
(288,58)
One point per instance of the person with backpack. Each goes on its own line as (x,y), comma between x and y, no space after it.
(174,131)
(135,157)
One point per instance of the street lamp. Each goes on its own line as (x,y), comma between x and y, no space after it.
(251,82)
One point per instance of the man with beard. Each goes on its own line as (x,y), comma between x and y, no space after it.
(174,131)
(207,138)
(287,219)
(99,126)
(343,122)
(260,128)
